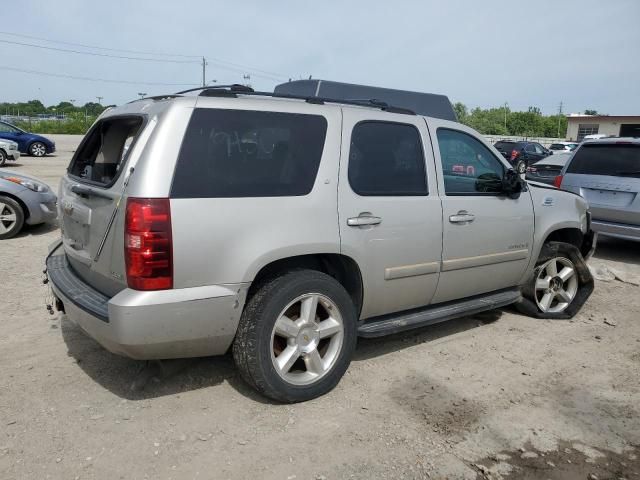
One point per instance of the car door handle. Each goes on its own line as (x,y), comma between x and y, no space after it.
(462,217)
(363,220)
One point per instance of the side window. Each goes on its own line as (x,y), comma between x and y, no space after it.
(247,153)
(538,148)
(386,159)
(468,166)
(530,148)
(4,128)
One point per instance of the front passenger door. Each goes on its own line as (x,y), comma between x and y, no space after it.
(487,236)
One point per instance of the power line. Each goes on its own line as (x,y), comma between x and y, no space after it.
(98,54)
(95,47)
(225,64)
(89,79)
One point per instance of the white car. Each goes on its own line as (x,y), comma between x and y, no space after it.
(8,151)
(563,146)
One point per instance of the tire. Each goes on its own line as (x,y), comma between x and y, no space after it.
(567,292)
(3,158)
(11,217)
(314,355)
(37,149)
(521,167)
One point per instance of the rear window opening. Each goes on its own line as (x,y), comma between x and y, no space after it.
(101,156)
(613,159)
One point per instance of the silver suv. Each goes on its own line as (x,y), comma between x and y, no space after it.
(284,227)
(606,173)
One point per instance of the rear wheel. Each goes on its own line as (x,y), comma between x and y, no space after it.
(37,149)
(296,336)
(11,217)
(560,285)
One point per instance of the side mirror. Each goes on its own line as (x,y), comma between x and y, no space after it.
(19,132)
(550,152)
(512,184)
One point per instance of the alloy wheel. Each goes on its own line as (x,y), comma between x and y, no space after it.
(556,285)
(38,149)
(8,218)
(307,339)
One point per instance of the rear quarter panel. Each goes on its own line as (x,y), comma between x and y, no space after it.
(228,240)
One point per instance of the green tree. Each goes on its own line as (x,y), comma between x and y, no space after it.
(591,112)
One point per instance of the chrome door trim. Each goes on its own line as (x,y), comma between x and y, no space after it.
(469,262)
(415,270)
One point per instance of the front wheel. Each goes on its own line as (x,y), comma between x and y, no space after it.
(296,336)
(37,149)
(560,285)
(3,158)
(11,217)
(521,167)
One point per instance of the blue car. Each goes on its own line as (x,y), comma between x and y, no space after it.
(28,143)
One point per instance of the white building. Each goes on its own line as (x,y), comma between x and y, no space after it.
(614,125)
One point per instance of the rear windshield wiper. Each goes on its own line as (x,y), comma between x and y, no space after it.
(627,173)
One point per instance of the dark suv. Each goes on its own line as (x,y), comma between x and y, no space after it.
(522,154)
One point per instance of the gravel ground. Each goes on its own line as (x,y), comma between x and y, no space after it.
(485,396)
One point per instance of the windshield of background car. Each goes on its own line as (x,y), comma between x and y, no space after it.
(557,146)
(613,159)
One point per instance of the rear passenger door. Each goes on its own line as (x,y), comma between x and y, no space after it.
(487,236)
(389,212)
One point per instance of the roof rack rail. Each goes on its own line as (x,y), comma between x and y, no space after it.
(235,90)
(233,87)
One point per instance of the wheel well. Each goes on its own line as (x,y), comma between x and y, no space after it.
(25,210)
(344,269)
(568,235)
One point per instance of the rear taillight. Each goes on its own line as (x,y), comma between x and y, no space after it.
(514,154)
(147,244)
(557,182)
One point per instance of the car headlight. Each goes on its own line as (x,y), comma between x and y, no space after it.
(30,184)
(13,145)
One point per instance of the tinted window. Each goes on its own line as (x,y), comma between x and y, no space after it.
(467,164)
(530,148)
(505,146)
(556,146)
(245,153)
(99,159)
(607,159)
(386,159)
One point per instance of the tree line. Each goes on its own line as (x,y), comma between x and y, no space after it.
(489,121)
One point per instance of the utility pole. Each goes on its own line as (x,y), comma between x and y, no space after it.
(99,100)
(204,71)
(142,94)
(247,78)
(505,114)
(559,117)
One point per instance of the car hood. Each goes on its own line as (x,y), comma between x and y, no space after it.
(12,173)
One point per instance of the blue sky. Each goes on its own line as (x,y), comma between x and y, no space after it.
(483,53)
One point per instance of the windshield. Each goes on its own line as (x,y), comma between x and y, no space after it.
(613,159)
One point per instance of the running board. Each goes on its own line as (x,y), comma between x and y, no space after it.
(407,320)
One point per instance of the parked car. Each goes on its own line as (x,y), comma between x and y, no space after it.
(284,228)
(606,172)
(8,151)
(546,170)
(522,154)
(563,146)
(28,143)
(24,200)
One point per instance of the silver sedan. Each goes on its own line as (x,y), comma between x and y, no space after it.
(24,200)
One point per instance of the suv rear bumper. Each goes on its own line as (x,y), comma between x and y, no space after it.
(618,230)
(176,323)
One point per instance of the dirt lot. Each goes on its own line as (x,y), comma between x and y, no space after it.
(492,395)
